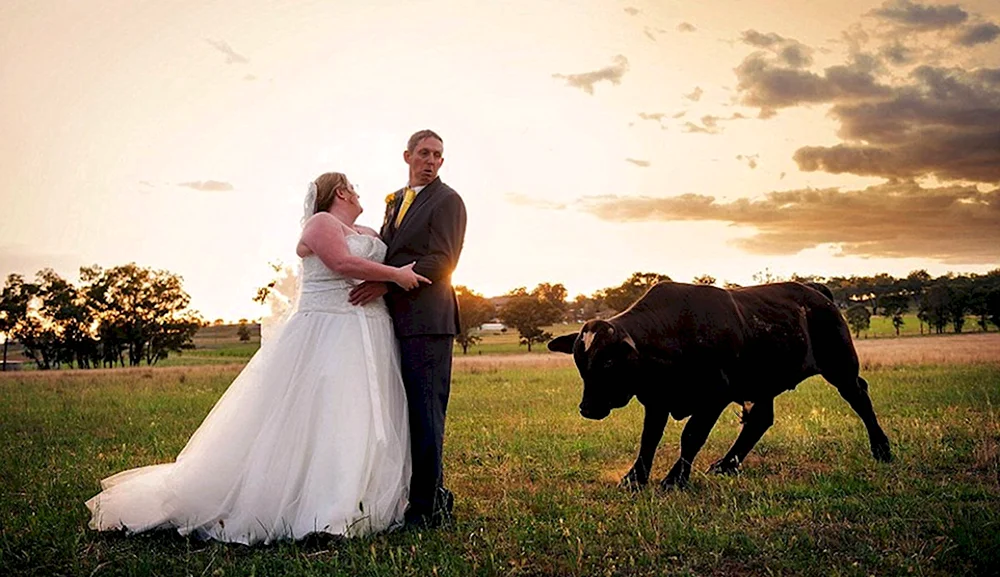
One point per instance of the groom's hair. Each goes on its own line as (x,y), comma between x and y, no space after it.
(411,144)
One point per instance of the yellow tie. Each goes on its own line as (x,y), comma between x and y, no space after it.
(407,201)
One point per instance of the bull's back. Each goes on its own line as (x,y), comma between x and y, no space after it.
(695,320)
(793,332)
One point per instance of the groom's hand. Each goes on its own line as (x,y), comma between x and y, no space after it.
(366,292)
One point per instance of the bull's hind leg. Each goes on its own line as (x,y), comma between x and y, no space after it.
(855,392)
(757,419)
(692,439)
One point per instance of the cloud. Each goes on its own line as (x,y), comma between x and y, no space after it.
(652,33)
(249,78)
(955,224)
(750,159)
(944,121)
(585,81)
(231,56)
(695,94)
(709,125)
(982,33)
(657,116)
(686,27)
(767,83)
(788,50)
(631,10)
(640,163)
(916,16)
(207,185)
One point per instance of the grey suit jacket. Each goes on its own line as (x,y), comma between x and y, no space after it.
(431,234)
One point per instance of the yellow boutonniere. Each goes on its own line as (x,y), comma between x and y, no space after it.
(390,197)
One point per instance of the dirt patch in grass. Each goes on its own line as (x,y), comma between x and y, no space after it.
(936,350)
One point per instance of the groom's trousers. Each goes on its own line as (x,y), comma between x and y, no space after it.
(426,368)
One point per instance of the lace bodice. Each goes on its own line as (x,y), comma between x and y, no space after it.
(324,290)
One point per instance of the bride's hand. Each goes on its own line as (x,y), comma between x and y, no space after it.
(408,279)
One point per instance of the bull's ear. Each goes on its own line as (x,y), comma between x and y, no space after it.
(563,344)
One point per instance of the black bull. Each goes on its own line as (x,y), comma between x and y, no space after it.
(689,350)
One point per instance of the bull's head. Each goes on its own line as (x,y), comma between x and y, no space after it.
(608,361)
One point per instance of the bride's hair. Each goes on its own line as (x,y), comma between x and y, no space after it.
(326,189)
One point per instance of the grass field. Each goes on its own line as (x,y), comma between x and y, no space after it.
(535,482)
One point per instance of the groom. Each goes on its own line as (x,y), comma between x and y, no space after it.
(424,223)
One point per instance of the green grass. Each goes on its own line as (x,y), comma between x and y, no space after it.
(535,483)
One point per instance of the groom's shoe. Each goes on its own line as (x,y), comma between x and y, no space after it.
(444,503)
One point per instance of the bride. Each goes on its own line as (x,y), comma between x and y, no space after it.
(312,436)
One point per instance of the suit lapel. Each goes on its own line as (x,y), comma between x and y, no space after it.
(414,212)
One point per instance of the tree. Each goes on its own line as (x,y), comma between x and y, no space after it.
(705,279)
(622,296)
(993,307)
(858,318)
(14,301)
(142,313)
(895,306)
(553,294)
(959,301)
(766,277)
(474,310)
(243,331)
(528,313)
(583,308)
(933,306)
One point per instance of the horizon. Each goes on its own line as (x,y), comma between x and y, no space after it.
(588,141)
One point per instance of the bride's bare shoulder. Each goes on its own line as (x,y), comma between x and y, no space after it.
(366,231)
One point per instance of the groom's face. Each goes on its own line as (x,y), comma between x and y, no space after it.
(425,159)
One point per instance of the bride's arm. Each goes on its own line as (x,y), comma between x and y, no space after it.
(324,236)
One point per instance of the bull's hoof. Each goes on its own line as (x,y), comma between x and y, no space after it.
(882,452)
(724,468)
(673,483)
(632,482)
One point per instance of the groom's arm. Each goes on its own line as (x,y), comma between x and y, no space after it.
(447,235)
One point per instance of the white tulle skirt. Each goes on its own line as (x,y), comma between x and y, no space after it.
(312,436)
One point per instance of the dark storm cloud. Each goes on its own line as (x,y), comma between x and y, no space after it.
(956,224)
(944,121)
(982,33)
(764,82)
(918,16)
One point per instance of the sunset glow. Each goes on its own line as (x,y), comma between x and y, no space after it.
(589,140)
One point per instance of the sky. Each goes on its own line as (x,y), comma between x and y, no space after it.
(588,139)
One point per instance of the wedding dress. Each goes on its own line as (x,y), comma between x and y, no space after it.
(312,436)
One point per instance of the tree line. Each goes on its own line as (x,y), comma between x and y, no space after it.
(125,315)
(940,303)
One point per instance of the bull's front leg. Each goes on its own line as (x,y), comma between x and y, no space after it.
(757,419)
(652,430)
(692,439)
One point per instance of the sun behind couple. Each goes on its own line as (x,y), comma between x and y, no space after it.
(336,425)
